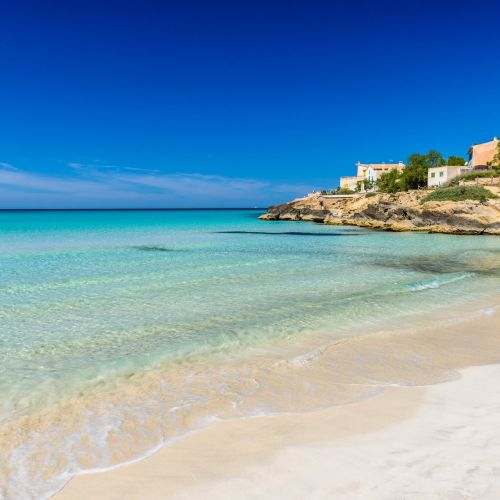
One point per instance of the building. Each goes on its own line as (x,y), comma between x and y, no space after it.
(437,176)
(373,170)
(368,171)
(350,182)
(480,155)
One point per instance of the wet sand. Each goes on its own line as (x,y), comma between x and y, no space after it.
(430,432)
(441,441)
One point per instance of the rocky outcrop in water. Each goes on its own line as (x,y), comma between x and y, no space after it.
(394,212)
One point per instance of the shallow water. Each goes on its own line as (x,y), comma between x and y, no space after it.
(115,324)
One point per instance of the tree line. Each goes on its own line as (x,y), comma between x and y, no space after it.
(414,175)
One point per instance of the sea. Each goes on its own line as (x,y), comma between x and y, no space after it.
(122,331)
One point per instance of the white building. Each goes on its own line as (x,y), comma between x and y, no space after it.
(437,176)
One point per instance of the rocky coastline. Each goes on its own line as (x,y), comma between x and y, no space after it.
(393,212)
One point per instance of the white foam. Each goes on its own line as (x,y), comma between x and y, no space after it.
(307,357)
(438,282)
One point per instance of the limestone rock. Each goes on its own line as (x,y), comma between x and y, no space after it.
(395,212)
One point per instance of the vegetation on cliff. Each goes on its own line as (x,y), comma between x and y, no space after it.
(337,191)
(459,193)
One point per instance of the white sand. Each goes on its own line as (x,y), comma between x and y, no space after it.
(437,442)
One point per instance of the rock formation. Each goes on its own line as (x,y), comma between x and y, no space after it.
(394,212)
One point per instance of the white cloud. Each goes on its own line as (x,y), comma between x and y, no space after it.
(6,166)
(95,167)
(111,186)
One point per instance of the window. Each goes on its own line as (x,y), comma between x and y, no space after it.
(433,174)
(441,174)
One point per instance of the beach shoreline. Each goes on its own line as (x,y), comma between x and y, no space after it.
(250,457)
(325,453)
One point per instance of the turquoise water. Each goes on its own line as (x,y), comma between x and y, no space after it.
(86,296)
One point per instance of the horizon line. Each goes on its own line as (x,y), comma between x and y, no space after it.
(120,209)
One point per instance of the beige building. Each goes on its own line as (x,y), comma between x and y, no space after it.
(439,175)
(480,155)
(373,170)
(350,182)
(368,171)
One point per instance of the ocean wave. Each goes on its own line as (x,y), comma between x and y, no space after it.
(437,282)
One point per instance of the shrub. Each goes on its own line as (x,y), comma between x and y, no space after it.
(338,190)
(459,193)
(369,195)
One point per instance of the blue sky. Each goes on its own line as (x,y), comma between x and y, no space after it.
(220,104)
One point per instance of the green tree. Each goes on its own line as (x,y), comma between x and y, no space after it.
(496,160)
(414,176)
(390,182)
(366,183)
(369,184)
(432,159)
(456,161)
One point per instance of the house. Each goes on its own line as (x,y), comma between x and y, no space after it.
(437,176)
(480,155)
(373,170)
(369,171)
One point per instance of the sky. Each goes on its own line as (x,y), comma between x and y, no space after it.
(233,104)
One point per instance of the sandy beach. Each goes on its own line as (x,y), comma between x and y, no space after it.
(436,442)
(411,441)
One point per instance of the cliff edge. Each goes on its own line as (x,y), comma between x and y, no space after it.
(394,212)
